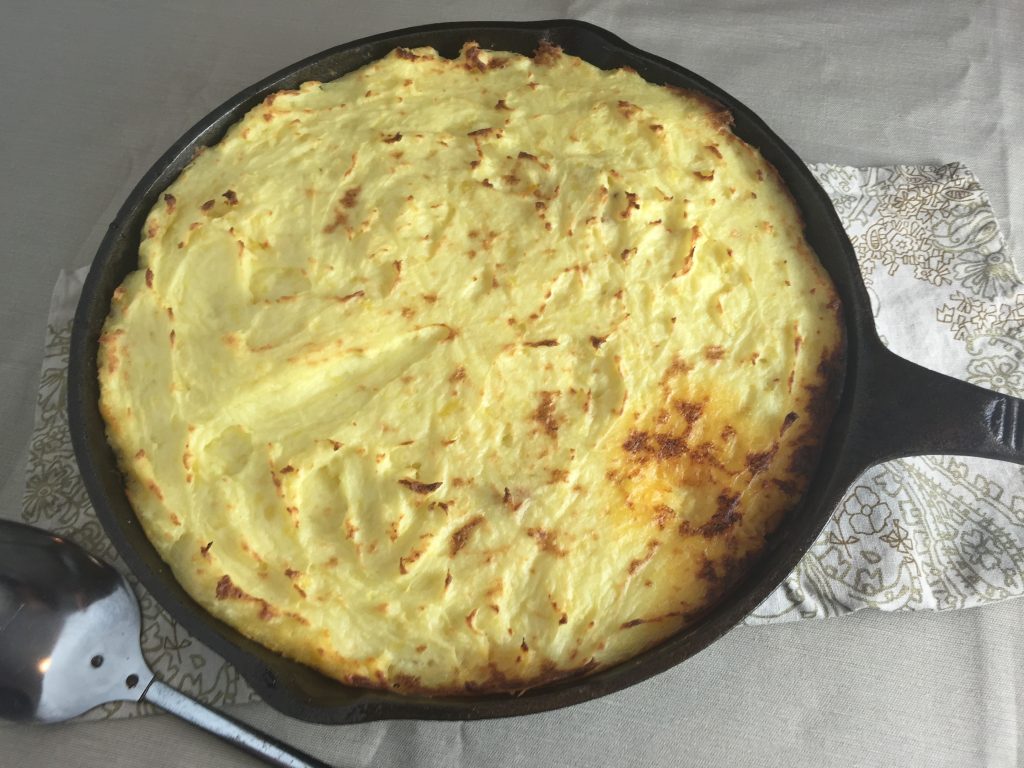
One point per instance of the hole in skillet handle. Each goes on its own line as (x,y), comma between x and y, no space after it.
(298,690)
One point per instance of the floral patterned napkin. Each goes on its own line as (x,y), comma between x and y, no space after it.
(932,532)
(929,533)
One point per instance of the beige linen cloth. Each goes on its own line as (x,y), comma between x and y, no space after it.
(929,533)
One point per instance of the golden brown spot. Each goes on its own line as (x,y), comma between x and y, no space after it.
(340,220)
(170,202)
(418,487)
(558,476)
(636,564)
(662,514)
(542,343)
(637,442)
(226,589)
(405,53)
(759,462)
(704,453)
(725,517)
(155,489)
(626,253)
(714,352)
(694,237)
(669,447)
(707,571)
(475,62)
(457,375)
(713,149)
(597,341)
(705,176)
(231,197)
(545,414)
(392,138)
(460,537)
(627,110)
(207,205)
(546,541)
(405,562)
(631,205)
(350,197)
(546,54)
(513,500)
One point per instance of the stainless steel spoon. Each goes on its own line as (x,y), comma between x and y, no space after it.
(69,641)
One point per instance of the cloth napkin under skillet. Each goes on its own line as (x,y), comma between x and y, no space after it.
(930,533)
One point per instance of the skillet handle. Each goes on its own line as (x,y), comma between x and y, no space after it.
(908,410)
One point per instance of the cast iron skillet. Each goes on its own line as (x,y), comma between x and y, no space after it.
(888,407)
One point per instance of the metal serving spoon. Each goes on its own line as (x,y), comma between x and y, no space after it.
(69,641)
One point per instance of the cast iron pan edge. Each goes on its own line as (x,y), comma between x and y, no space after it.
(887,407)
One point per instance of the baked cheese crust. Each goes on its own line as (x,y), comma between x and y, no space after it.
(467,375)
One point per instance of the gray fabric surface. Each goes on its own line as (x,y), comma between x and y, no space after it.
(93,92)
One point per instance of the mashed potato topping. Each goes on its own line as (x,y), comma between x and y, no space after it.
(466,375)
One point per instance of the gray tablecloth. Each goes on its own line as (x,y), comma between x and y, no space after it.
(92,92)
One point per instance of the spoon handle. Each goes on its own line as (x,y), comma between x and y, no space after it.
(241,735)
